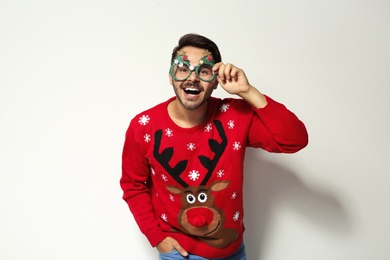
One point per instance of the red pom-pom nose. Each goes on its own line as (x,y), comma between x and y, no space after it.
(200,217)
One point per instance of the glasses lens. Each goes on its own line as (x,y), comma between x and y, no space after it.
(205,72)
(181,71)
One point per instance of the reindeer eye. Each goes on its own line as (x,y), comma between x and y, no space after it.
(191,198)
(202,197)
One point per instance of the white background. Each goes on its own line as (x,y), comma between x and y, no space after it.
(73,73)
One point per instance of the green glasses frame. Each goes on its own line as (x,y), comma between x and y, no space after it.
(180,61)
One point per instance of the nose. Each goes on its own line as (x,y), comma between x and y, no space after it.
(193,76)
(200,217)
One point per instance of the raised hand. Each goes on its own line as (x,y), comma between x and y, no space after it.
(234,81)
(231,78)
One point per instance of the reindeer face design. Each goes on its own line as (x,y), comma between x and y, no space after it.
(199,216)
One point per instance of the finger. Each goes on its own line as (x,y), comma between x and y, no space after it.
(221,82)
(217,66)
(227,70)
(221,71)
(218,69)
(165,245)
(234,73)
(179,249)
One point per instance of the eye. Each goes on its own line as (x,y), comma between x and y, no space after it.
(191,198)
(184,69)
(205,71)
(202,197)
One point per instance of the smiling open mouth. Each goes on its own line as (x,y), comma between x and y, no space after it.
(192,91)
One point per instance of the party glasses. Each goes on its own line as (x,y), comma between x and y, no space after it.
(181,69)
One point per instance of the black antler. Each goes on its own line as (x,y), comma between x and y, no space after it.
(217,148)
(165,156)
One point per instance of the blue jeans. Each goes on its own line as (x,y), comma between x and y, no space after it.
(174,255)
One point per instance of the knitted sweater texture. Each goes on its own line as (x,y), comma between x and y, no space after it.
(187,182)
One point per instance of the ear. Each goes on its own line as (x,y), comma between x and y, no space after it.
(219,185)
(173,189)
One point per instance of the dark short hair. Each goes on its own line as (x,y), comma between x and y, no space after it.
(198,41)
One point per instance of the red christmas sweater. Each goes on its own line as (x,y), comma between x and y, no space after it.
(187,182)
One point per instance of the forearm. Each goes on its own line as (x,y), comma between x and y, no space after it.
(254,97)
(134,183)
(142,209)
(283,132)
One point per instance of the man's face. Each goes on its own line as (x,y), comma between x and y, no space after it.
(192,93)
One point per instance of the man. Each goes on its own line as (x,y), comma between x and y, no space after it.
(183,159)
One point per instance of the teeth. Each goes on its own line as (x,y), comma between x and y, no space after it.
(192,91)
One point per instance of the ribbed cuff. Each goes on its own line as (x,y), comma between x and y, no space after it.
(155,236)
(269,112)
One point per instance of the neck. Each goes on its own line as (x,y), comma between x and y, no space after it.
(184,117)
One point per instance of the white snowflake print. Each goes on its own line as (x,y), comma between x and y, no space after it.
(144,119)
(147,138)
(234,195)
(220,173)
(231,124)
(236,216)
(191,146)
(194,175)
(168,132)
(208,128)
(164,217)
(165,178)
(224,107)
(171,197)
(237,146)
